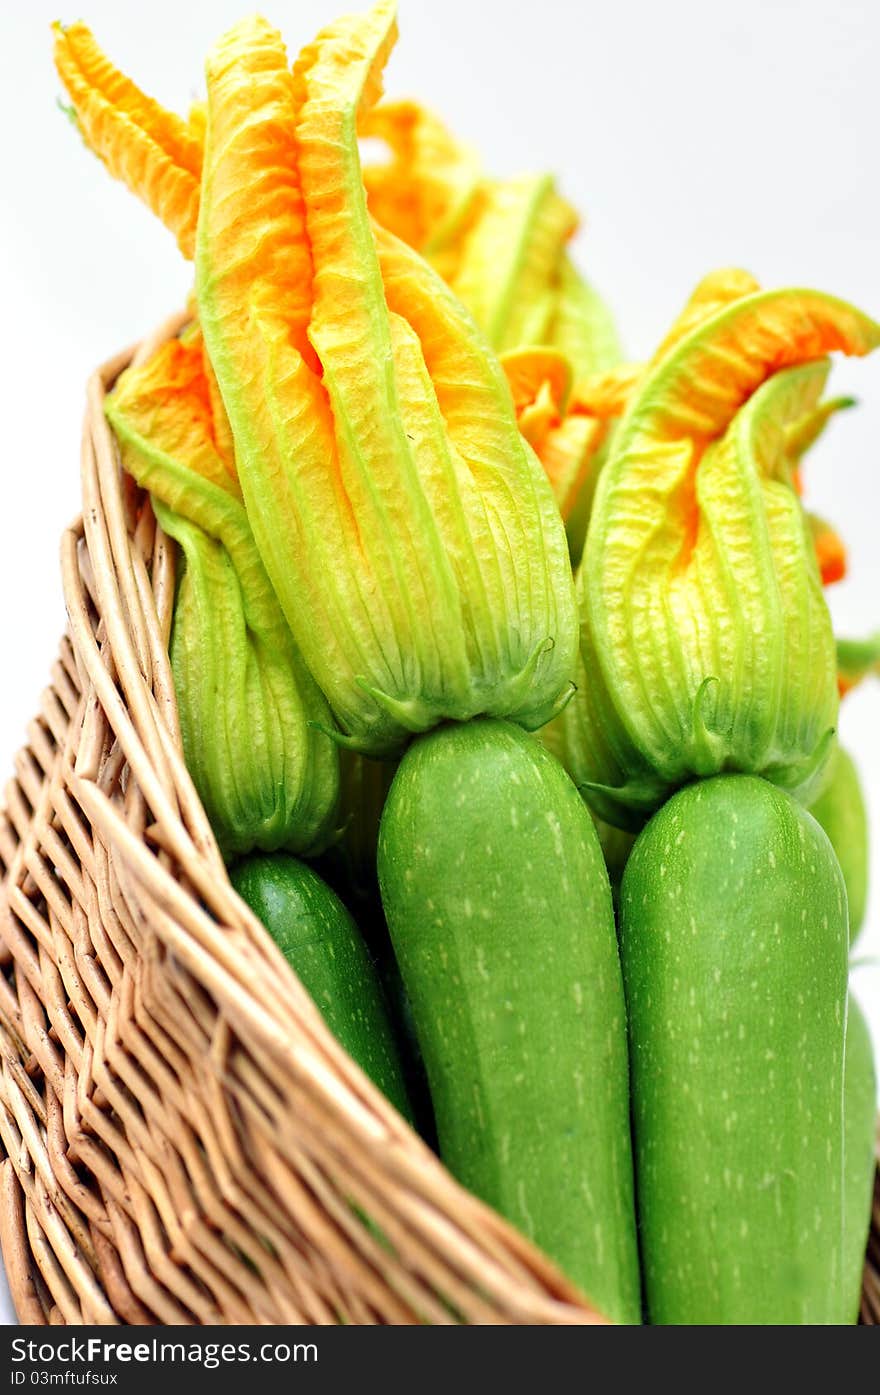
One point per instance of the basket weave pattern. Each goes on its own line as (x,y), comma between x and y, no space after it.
(184,1140)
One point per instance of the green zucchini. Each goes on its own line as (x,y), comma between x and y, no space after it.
(499,909)
(323,946)
(840,809)
(860,1113)
(734,949)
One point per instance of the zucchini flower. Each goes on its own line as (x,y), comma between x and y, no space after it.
(500,244)
(581,325)
(408,530)
(604,397)
(249,709)
(428,192)
(606,393)
(155,152)
(706,643)
(569,426)
(510,258)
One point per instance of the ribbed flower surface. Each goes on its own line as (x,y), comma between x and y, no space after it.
(501,246)
(428,192)
(499,243)
(156,153)
(250,712)
(706,642)
(408,529)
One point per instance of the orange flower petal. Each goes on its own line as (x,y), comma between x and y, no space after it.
(527,370)
(830,550)
(154,152)
(426,190)
(606,394)
(167,402)
(567,453)
(716,290)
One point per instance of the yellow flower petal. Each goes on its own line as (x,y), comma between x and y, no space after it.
(427,190)
(235,664)
(510,257)
(716,290)
(408,529)
(155,153)
(706,642)
(168,400)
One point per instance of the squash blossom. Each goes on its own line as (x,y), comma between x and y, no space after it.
(427,192)
(153,151)
(237,670)
(706,642)
(603,398)
(570,425)
(501,246)
(408,530)
(605,394)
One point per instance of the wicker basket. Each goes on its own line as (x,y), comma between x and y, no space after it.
(184,1143)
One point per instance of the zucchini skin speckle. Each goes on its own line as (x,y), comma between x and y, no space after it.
(499,908)
(734,950)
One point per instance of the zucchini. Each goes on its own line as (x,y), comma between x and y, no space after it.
(734,950)
(840,809)
(860,1113)
(499,908)
(323,946)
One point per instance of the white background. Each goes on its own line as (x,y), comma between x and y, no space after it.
(691,135)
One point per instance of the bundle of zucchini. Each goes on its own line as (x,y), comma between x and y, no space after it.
(526,648)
